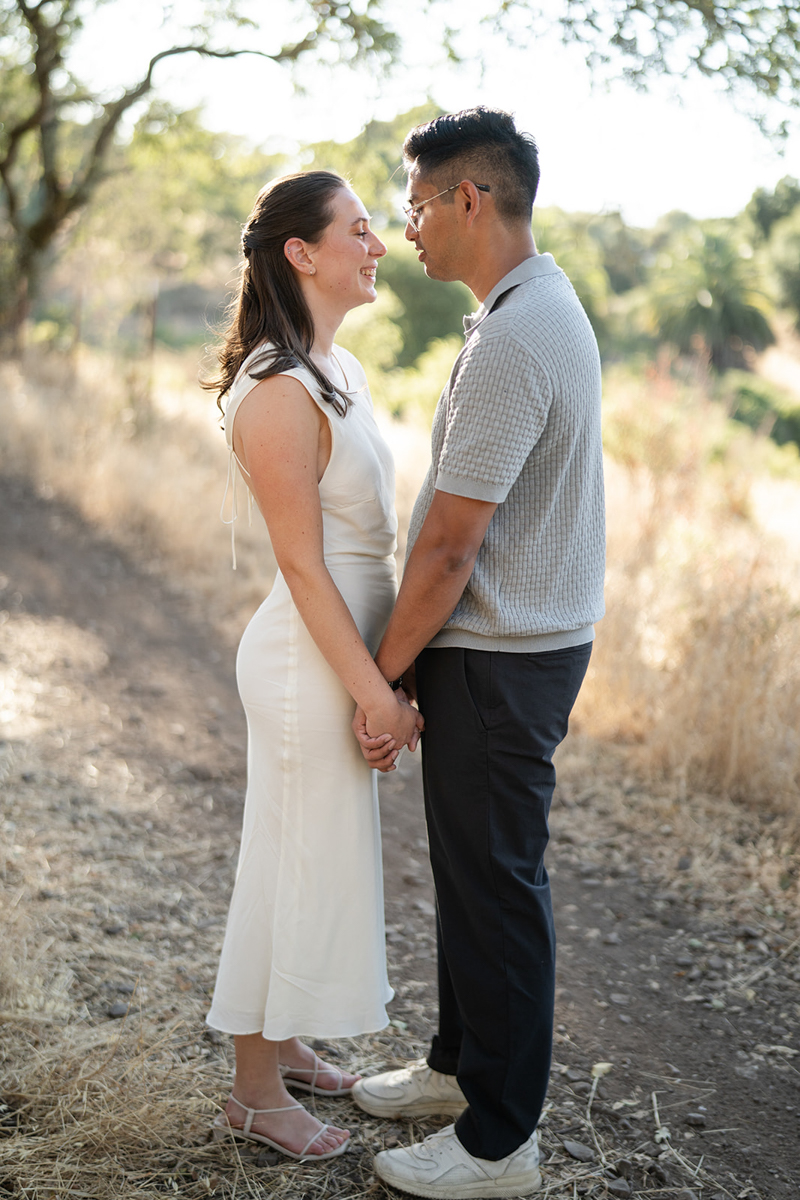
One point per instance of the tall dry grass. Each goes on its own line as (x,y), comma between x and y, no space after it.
(694,667)
(145,460)
(146,466)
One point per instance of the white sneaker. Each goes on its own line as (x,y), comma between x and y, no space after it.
(440,1166)
(414,1091)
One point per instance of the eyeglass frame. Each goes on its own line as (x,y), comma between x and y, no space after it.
(411,211)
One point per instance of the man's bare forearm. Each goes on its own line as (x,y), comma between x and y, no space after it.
(432,586)
(437,571)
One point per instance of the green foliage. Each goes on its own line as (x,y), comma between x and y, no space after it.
(180,192)
(765,207)
(430,309)
(705,299)
(166,218)
(371,161)
(623,250)
(372,332)
(58,138)
(761,405)
(414,391)
(567,237)
(784,251)
(666,430)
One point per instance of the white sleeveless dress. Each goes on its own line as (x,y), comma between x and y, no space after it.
(304,949)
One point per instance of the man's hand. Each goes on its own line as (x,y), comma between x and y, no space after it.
(410,682)
(381,751)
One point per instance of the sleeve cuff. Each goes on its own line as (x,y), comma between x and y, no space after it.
(472,489)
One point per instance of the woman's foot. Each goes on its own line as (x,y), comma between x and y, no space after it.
(304,1069)
(290,1130)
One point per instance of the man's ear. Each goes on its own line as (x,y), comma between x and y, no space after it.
(297,252)
(472,200)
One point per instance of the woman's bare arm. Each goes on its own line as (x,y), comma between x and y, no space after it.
(277,439)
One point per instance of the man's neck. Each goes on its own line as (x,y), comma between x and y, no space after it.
(496,258)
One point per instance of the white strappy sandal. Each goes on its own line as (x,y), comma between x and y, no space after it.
(222,1128)
(289,1076)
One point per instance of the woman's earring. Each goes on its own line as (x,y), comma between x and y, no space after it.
(312,270)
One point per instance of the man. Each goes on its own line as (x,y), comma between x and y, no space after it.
(501,588)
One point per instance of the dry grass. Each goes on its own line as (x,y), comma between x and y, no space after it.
(151,472)
(694,666)
(706,849)
(124,1112)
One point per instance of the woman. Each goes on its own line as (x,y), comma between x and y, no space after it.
(304,944)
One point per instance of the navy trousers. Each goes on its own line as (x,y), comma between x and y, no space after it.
(492,723)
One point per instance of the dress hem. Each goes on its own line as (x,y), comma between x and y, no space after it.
(243,1028)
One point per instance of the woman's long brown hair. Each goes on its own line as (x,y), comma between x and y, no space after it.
(270,306)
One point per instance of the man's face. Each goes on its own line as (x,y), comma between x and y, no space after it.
(437,239)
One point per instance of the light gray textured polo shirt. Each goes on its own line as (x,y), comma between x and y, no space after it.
(519,423)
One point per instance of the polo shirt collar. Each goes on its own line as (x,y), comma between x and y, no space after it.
(529,268)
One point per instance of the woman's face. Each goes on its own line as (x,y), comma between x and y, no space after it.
(346,257)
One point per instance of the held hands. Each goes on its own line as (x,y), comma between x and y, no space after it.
(399,724)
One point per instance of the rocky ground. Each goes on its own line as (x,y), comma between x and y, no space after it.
(677,1058)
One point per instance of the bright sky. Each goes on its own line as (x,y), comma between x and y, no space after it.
(600,149)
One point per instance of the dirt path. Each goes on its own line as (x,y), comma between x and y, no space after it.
(122,775)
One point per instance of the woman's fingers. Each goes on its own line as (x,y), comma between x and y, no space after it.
(379,753)
(376,742)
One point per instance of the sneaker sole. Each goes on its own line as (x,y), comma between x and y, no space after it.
(519,1185)
(417,1108)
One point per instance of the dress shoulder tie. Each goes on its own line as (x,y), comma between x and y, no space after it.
(235,469)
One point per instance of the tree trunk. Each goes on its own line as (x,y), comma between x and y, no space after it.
(15,302)
(18,291)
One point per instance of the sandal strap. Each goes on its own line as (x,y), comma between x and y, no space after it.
(318,1134)
(320,1068)
(254,1112)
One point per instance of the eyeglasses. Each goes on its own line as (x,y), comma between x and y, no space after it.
(412,211)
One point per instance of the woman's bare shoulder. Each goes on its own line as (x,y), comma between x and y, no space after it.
(276,390)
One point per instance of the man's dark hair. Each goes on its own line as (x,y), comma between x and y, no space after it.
(481,144)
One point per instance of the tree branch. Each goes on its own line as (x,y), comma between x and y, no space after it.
(116,110)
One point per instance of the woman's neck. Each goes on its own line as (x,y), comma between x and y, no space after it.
(327,318)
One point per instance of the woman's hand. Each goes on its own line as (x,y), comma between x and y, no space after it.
(405,724)
(394,715)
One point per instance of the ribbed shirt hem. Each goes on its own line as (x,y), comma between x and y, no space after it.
(530,643)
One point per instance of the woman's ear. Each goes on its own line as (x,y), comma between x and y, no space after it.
(297,253)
